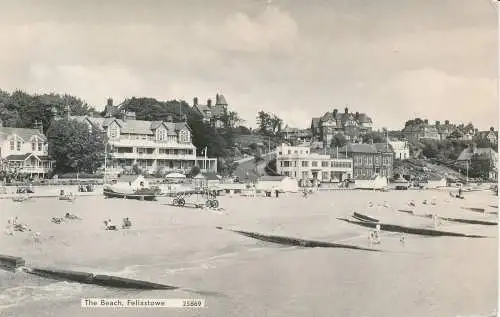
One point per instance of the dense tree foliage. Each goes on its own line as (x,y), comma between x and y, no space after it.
(74,147)
(375,137)
(338,140)
(22,110)
(269,124)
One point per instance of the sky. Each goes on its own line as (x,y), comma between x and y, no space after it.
(393,60)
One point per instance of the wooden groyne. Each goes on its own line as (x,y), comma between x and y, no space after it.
(411,230)
(295,241)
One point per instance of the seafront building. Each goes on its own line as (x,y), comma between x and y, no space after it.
(351,125)
(150,145)
(370,160)
(25,151)
(401,149)
(299,163)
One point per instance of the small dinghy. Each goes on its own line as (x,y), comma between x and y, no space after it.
(365,218)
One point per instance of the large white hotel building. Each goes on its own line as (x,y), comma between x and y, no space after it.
(298,162)
(151,145)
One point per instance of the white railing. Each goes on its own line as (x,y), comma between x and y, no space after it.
(154,156)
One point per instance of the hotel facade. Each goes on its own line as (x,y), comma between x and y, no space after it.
(25,151)
(150,145)
(299,163)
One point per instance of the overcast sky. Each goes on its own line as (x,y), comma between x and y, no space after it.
(392,59)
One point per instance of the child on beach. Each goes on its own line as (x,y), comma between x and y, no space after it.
(9,229)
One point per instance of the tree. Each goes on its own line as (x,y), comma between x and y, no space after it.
(74,147)
(338,140)
(264,122)
(195,170)
(376,137)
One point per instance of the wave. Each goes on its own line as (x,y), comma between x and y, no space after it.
(19,295)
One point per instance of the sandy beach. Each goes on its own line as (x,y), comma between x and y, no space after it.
(424,276)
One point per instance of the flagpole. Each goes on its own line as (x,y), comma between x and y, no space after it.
(205,158)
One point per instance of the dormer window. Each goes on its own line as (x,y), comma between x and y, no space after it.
(161,134)
(114,131)
(33,145)
(184,136)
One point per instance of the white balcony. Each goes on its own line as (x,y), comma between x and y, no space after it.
(154,156)
(151,144)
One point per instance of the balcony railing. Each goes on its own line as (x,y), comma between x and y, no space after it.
(154,156)
(151,143)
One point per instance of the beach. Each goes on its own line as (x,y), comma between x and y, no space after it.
(240,276)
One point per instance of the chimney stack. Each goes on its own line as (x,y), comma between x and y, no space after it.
(110,102)
(209,103)
(447,122)
(346,110)
(195,101)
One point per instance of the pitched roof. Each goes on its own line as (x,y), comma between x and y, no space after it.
(367,148)
(134,126)
(25,134)
(17,157)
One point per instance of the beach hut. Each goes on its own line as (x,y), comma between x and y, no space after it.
(281,183)
(175,176)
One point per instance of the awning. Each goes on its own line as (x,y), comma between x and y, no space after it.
(175,175)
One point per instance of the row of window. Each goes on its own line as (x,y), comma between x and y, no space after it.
(324,175)
(369,160)
(161,135)
(368,172)
(152,151)
(35,145)
(295,152)
(336,164)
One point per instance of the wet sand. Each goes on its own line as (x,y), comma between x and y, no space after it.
(425,276)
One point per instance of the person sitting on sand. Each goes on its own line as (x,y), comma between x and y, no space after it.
(412,203)
(57,220)
(126,223)
(108,225)
(70,216)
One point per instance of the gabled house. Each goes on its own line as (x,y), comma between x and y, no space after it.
(149,145)
(473,153)
(352,125)
(370,159)
(25,151)
(212,114)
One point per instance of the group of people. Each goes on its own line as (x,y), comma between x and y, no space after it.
(126,224)
(374,236)
(67,216)
(14,225)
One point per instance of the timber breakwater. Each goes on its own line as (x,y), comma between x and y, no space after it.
(13,264)
(411,230)
(296,241)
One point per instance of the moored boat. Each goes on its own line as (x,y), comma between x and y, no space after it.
(362,217)
(138,189)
